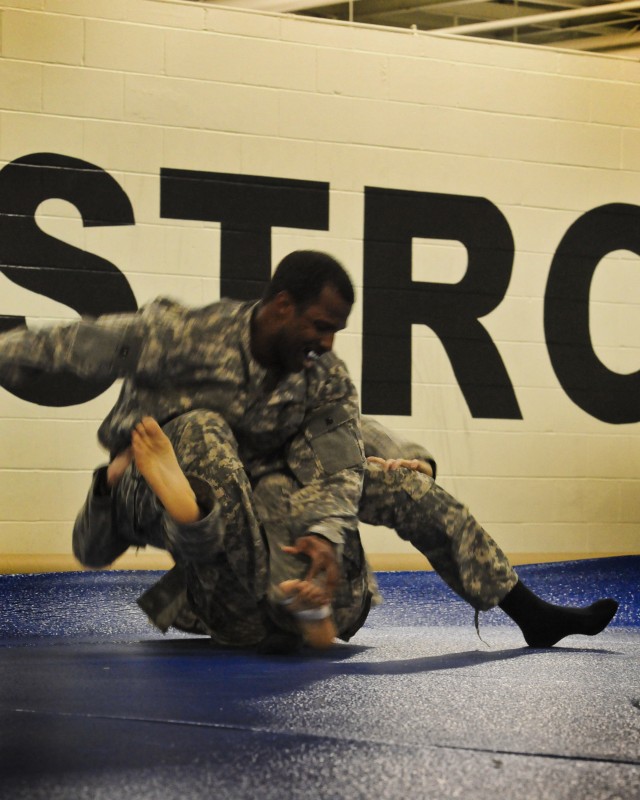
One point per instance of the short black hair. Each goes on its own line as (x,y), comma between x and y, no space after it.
(305,273)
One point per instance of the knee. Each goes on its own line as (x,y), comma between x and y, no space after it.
(204,443)
(200,419)
(200,425)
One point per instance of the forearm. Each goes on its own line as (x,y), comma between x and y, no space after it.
(380,442)
(104,348)
(328,507)
(327,456)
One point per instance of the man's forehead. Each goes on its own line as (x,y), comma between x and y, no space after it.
(330,305)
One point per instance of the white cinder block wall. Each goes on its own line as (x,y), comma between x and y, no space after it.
(139,86)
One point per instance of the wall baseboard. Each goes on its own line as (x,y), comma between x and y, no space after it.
(30,563)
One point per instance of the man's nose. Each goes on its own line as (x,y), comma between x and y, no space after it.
(326,342)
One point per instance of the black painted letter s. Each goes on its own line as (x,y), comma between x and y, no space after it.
(45,265)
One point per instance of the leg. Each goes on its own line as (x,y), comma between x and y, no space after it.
(467,557)
(98,538)
(441,528)
(223,554)
(219,546)
(96,541)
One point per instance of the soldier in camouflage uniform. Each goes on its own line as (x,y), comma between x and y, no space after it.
(264,421)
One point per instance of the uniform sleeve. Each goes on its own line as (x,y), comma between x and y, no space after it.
(327,457)
(380,441)
(108,347)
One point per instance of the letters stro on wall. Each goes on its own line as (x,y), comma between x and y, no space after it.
(248,207)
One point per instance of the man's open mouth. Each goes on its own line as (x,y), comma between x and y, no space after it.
(310,354)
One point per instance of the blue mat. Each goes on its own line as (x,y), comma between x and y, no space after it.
(95,703)
(101,605)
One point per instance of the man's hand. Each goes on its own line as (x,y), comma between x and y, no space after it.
(393,463)
(322,555)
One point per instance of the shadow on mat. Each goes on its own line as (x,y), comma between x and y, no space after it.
(453,661)
(338,659)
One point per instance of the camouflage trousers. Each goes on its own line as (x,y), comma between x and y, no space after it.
(441,528)
(227,562)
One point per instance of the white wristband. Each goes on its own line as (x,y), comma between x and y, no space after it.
(313,614)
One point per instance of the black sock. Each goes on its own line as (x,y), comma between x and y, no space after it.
(544,624)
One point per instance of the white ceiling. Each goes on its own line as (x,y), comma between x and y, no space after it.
(604,26)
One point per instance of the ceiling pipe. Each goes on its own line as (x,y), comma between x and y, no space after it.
(540,19)
(277,6)
(622,41)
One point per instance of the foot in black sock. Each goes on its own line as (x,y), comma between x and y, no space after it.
(544,624)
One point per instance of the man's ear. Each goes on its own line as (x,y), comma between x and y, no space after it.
(283,304)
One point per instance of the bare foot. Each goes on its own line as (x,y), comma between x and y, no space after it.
(116,468)
(155,458)
(306,603)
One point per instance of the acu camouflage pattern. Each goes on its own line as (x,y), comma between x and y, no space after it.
(436,524)
(226,562)
(232,428)
(176,359)
(280,503)
(179,365)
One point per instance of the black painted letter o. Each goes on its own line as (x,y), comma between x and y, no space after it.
(604,394)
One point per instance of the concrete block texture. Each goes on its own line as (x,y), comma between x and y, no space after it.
(545,143)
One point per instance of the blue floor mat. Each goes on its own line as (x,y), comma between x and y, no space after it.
(101,605)
(95,703)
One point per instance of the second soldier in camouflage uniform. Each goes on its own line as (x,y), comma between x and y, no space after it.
(464,554)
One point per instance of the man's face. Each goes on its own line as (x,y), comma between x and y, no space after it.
(311,330)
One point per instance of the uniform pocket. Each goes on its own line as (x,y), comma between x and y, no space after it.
(333,437)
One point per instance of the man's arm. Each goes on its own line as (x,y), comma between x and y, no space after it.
(327,458)
(383,447)
(108,347)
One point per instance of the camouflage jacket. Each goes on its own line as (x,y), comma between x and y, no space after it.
(174,359)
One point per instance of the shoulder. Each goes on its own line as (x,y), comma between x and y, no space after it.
(328,381)
(225,312)
(226,308)
(329,367)
(170,310)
